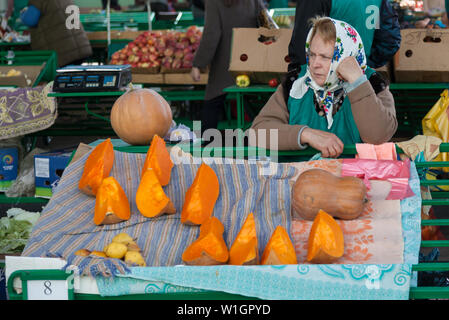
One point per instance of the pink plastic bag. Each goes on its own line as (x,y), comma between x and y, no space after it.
(394,171)
(385,151)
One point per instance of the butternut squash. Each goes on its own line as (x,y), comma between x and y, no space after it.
(318,189)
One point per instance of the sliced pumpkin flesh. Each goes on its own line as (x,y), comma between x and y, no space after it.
(111,204)
(244,249)
(200,197)
(151,199)
(98,166)
(158,159)
(326,242)
(279,249)
(210,247)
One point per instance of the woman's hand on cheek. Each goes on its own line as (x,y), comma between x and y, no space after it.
(349,70)
(327,143)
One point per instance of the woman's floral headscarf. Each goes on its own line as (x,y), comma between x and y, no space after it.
(347,43)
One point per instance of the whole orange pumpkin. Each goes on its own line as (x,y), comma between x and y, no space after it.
(139,114)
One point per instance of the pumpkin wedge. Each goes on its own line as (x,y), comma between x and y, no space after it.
(244,250)
(279,249)
(111,204)
(158,159)
(200,197)
(326,243)
(97,167)
(151,199)
(210,247)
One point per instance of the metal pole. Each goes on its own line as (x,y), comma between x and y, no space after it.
(150,27)
(108,21)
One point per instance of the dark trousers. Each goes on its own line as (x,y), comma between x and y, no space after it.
(211,112)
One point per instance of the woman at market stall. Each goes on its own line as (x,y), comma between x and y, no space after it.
(47,20)
(382,39)
(221,16)
(336,99)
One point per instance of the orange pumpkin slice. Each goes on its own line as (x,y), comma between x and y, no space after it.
(326,243)
(97,167)
(151,199)
(279,249)
(210,247)
(244,249)
(111,204)
(200,197)
(158,159)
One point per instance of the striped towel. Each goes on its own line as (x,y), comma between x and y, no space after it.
(66,223)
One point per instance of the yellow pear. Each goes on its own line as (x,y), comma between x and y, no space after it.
(116,250)
(134,257)
(133,246)
(123,238)
(82,253)
(98,254)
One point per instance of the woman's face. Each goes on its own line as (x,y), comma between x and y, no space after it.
(320,58)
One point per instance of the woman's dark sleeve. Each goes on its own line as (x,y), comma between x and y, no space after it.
(305,9)
(387,39)
(211,36)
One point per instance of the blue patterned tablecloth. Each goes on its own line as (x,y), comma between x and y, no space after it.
(301,282)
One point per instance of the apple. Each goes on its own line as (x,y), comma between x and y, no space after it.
(168,52)
(179,54)
(153,57)
(176,63)
(273,83)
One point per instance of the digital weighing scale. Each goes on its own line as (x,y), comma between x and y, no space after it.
(92,78)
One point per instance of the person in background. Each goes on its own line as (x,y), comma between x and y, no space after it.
(47,22)
(198,10)
(380,43)
(221,16)
(114,5)
(272,4)
(13,9)
(336,100)
(156,5)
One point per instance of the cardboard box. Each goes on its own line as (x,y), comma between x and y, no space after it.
(385,71)
(9,164)
(148,78)
(260,61)
(184,78)
(423,56)
(48,170)
(30,73)
(115,35)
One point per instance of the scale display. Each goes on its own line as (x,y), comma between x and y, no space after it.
(92,78)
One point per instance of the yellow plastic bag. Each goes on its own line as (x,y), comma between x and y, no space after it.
(436,123)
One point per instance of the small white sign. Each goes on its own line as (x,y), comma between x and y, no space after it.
(42,167)
(47,290)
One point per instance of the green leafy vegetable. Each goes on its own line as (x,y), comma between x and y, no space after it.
(14,234)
